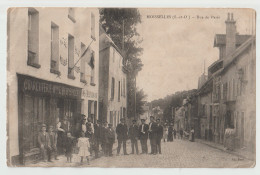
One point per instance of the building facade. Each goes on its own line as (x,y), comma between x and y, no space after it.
(112,82)
(231,83)
(52,70)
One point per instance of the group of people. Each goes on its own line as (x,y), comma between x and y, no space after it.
(170,133)
(152,131)
(85,142)
(88,138)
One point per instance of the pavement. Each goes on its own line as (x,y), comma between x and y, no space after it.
(241,153)
(176,154)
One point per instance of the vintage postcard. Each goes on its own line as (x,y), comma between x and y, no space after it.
(131,87)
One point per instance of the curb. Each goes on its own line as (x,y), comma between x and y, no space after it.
(229,152)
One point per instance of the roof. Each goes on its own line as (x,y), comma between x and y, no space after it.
(220,39)
(234,56)
(105,41)
(215,64)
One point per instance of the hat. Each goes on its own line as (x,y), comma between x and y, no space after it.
(151,116)
(122,119)
(43,125)
(105,122)
(110,124)
(158,119)
(142,119)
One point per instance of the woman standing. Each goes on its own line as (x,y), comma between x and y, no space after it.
(60,136)
(165,132)
(170,133)
(192,137)
(229,138)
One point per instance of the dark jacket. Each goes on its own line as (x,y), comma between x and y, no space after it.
(152,131)
(133,132)
(110,135)
(44,140)
(121,131)
(97,131)
(159,132)
(53,139)
(145,130)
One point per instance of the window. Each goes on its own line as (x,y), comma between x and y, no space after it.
(112,88)
(114,55)
(33,38)
(124,87)
(118,90)
(83,65)
(71,14)
(54,49)
(93,26)
(234,89)
(221,91)
(71,57)
(34,113)
(111,117)
(92,65)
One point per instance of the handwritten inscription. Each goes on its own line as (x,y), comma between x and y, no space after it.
(63,61)
(64,42)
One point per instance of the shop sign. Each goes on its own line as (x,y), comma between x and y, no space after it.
(33,85)
(89,94)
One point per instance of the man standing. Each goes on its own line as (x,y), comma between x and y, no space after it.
(103,136)
(44,143)
(134,135)
(121,131)
(53,141)
(152,135)
(143,132)
(159,135)
(97,137)
(110,139)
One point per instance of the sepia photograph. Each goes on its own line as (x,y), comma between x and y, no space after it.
(131,87)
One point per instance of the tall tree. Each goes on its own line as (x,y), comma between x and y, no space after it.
(120,24)
(140,101)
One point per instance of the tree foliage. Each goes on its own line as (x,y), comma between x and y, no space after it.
(171,102)
(114,20)
(120,24)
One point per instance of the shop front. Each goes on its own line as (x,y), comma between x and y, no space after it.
(44,102)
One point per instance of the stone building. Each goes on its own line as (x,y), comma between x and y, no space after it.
(112,81)
(230,88)
(52,72)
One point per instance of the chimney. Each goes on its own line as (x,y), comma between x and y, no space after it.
(230,34)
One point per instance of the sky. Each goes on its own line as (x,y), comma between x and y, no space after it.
(176,48)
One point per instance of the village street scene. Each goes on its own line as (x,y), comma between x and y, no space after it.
(131,87)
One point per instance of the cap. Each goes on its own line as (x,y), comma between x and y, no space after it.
(134,120)
(43,125)
(110,124)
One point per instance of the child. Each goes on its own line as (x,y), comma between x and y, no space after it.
(84,146)
(68,144)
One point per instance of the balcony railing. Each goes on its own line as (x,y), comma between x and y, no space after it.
(71,73)
(82,78)
(54,67)
(32,59)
